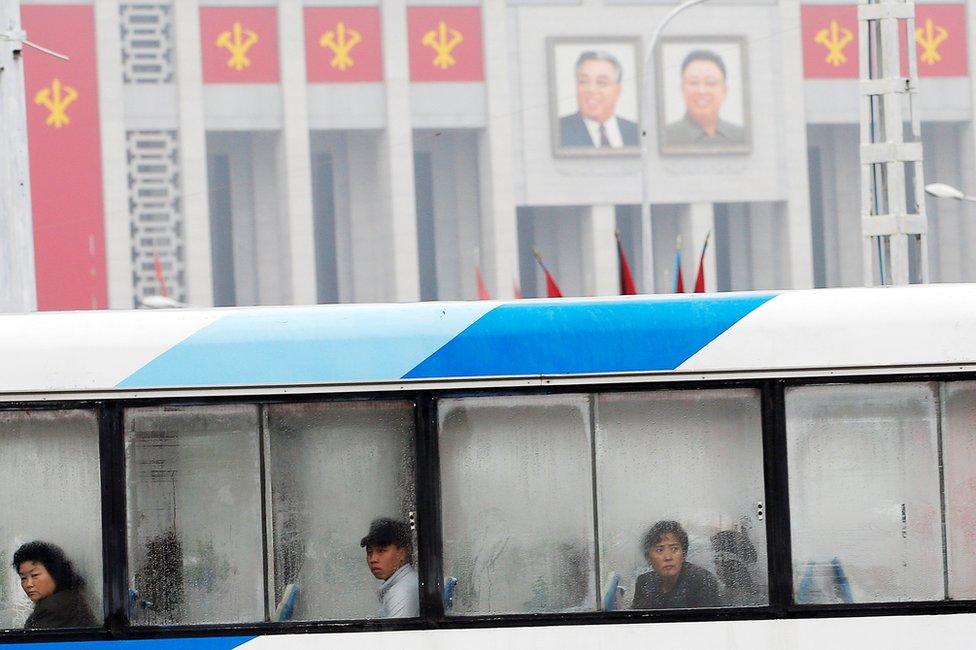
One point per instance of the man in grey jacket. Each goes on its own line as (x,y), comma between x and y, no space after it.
(389,550)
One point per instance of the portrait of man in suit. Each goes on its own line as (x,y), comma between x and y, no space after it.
(596,97)
(709,114)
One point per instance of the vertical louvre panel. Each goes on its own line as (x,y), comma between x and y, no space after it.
(154,207)
(147,43)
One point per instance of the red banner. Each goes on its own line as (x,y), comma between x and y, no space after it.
(940,36)
(65,158)
(830,41)
(343,44)
(445,43)
(239,45)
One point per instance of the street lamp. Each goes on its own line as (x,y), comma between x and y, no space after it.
(647,116)
(943,191)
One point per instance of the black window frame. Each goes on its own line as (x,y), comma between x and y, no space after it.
(110,415)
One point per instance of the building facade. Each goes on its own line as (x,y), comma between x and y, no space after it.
(250,152)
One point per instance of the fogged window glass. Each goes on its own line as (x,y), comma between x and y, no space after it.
(694,459)
(516,495)
(864,493)
(51,493)
(334,469)
(194,512)
(959,458)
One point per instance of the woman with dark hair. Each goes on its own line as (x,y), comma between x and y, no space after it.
(50,581)
(673,582)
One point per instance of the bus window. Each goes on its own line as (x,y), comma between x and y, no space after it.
(194,513)
(51,493)
(517,504)
(680,499)
(864,493)
(335,467)
(959,458)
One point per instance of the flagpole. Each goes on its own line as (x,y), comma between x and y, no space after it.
(647,119)
(17,281)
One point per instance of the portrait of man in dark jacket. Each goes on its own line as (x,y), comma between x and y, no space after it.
(596,124)
(594,84)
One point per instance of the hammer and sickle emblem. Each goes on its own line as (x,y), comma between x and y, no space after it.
(56,99)
(835,38)
(340,42)
(930,38)
(237,41)
(443,40)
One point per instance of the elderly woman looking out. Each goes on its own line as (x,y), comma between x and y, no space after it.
(50,581)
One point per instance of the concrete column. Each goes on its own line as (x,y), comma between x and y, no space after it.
(696,222)
(601,269)
(193,155)
(18,290)
(800,243)
(499,228)
(396,157)
(294,160)
(111,110)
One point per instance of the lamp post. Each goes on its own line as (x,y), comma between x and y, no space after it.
(647,117)
(943,191)
(17,283)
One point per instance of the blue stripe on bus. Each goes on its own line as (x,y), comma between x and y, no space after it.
(309,345)
(561,338)
(205,643)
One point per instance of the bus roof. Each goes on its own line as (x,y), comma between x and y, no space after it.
(931,326)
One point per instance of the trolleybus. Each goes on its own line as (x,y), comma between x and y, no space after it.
(211,472)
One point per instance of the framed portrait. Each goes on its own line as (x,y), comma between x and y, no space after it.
(594,90)
(703,95)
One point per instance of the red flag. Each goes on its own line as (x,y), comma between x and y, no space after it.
(627,286)
(482,289)
(679,282)
(552,289)
(700,279)
(158,268)
(516,290)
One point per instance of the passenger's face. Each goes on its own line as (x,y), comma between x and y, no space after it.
(597,89)
(703,87)
(385,560)
(36,582)
(667,556)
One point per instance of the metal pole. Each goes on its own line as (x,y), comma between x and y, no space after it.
(17,288)
(889,223)
(647,119)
